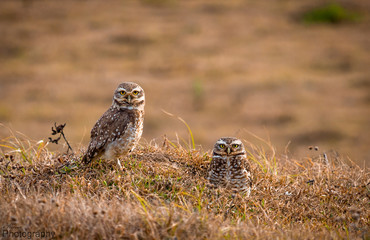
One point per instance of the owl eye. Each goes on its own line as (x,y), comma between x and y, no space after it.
(122,92)
(235,145)
(135,92)
(222,145)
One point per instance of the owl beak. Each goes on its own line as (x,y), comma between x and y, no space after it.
(228,150)
(129,99)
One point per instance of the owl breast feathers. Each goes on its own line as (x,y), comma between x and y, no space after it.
(119,129)
(229,167)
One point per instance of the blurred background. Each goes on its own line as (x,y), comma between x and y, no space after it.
(294,72)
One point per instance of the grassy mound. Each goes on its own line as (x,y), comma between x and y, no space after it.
(161,193)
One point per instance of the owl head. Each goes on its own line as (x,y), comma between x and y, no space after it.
(228,146)
(129,95)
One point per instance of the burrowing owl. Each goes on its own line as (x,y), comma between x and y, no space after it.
(119,129)
(229,167)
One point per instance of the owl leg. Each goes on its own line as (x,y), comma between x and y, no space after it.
(119,164)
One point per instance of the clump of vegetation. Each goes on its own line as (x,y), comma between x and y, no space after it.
(161,193)
(333,13)
(59,130)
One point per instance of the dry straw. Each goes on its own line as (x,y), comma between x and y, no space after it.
(161,193)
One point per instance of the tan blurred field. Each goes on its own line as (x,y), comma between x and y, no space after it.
(225,67)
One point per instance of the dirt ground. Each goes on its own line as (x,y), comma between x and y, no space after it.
(227,68)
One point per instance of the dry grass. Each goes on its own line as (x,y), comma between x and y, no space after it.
(220,65)
(161,193)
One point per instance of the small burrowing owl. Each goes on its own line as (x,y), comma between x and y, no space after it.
(119,129)
(229,167)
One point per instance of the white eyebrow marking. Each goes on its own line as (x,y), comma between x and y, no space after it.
(121,89)
(136,89)
(237,142)
(221,142)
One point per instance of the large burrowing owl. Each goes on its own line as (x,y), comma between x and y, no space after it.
(229,167)
(119,129)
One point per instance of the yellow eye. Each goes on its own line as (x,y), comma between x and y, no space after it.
(122,92)
(235,145)
(222,145)
(135,92)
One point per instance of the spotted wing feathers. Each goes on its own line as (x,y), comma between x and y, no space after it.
(111,125)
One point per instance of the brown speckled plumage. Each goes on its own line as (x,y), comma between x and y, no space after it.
(229,167)
(119,129)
